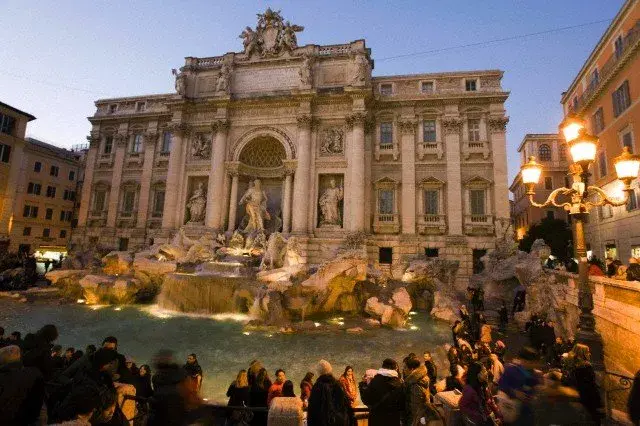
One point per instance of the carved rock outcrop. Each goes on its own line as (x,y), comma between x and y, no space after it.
(117,263)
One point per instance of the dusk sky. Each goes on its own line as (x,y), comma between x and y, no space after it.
(58,57)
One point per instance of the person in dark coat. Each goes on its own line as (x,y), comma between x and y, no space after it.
(328,403)
(417,395)
(432,371)
(633,271)
(238,391)
(143,385)
(194,370)
(37,350)
(21,389)
(384,396)
(584,379)
(454,380)
(258,395)
(123,374)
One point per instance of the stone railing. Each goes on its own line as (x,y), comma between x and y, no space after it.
(430,148)
(334,50)
(432,224)
(476,147)
(386,223)
(617,312)
(478,224)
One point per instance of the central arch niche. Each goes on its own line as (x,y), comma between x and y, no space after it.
(263,157)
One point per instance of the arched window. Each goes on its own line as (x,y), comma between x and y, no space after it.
(544,152)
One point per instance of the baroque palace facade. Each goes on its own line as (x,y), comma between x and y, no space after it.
(417,162)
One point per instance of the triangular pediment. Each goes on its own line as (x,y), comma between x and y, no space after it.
(386,180)
(431,180)
(478,180)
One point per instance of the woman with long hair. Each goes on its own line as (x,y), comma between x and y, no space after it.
(584,379)
(144,388)
(348,383)
(476,403)
(305,388)
(258,396)
(238,394)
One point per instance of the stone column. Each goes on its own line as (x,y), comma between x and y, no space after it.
(216,177)
(9,197)
(408,152)
(497,126)
(356,165)
(452,127)
(301,183)
(286,211)
(150,143)
(225,201)
(172,186)
(233,201)
(116,178)
(87,184)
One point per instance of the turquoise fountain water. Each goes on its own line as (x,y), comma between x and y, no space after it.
(220,342)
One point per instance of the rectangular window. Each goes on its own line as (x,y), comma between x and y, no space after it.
(627,141)
(68,216)
(386,134)
(166,142)
(385,255)
(426,87)
(470,85)
(136,146)
(474,130)
(431,252)
(477,197)
(140,106)
(98,203)
(385,201)
(632,202)
(128,199)
(621,99)
(51,191)
(429,131)
(61,215)
(113,108)
(431,199)
(54,171)
(598,121)
(37,167)
(158,204)
(72,174)
(26,231)
(65,196)
(602,164)
(48,215)
(5,153)
(567,182)
(548,183)
(618,46)
(123,244)
(386,89)
(108,144)
(63,233)
(46,232)
(30,188)
(7,124)
(606,212)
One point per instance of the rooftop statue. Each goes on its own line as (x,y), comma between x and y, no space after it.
(272,35)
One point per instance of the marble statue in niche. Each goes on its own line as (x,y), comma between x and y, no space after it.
(201,146)
(222,85)
(332,142)
(329,204)
(360,71)
(255,201)
(305,72)
(197,204)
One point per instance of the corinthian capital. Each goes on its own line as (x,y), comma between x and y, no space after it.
(121,139)
(357,119)
(407,127)
(150,137)
(451,125)
(304,120)
(93,139)
(220,126)
(178,128)
(498,124)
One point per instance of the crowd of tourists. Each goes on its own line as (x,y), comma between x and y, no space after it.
(551,381)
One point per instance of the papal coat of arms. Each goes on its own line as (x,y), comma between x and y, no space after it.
(272,35)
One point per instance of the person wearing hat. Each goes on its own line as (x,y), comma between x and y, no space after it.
(328,404)
(384,396)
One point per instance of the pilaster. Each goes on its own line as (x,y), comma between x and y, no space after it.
(173,175)
(301,182)
(118,164)
(232,169)
(452,127)
(214,215)
(408,151)
(497,127)
(9,198)
(87,185)
(150,143)
(357,170)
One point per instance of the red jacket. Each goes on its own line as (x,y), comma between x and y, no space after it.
(274,391)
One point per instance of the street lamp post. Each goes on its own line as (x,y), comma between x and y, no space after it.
(579,200)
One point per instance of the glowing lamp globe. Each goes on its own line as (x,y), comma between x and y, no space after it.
(583,149)
(530,173)
(627,166)
(571,127)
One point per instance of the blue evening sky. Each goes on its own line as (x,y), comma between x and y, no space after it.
(57,57)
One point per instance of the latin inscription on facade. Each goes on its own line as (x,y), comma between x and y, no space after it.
(261,80)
